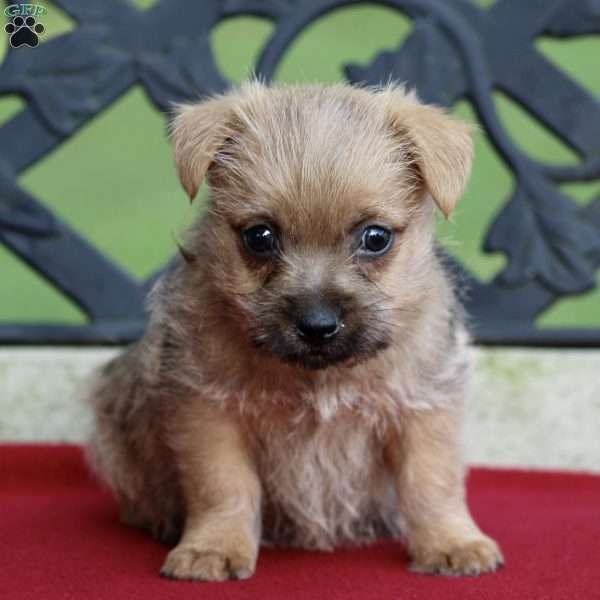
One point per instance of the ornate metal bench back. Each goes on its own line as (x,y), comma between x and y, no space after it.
(456,50)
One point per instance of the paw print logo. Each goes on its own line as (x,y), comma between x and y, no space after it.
(24,32)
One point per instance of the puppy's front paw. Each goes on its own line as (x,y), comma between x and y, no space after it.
(190,562)
(473,557)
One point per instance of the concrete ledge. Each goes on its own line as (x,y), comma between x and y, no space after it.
(527,408)
(40,390)
(535,408)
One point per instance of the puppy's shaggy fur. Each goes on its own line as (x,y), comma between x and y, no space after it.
(224,425)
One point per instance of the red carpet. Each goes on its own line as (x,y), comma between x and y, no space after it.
(60,539)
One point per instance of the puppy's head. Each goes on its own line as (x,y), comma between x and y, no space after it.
(319,235)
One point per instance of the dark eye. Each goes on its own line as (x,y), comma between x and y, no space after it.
(260,241)
(375,240)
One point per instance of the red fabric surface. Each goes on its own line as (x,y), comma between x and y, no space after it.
(60,539)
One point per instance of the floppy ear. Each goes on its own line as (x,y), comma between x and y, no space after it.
(197,133)
(442,146)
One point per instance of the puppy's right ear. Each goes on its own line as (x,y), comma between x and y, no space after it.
(197,133)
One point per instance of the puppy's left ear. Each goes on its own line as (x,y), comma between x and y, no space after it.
(442,147)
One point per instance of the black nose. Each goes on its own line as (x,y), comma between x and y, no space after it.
(318,324)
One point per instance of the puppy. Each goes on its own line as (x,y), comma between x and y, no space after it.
(302,377)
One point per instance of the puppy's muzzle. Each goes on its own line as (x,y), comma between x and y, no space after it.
(318,324)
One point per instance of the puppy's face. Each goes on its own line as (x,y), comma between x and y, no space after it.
(319,233)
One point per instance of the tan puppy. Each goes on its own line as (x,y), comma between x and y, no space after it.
(302,377)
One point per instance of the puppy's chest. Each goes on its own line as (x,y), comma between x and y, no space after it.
(324,484)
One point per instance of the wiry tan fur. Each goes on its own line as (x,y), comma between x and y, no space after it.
(219,429)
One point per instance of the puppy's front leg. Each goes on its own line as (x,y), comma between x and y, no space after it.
(428,468)
(222,493)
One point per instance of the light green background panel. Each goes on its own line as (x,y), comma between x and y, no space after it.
(114,181)
(580,58)
(318,54)
(24,296)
